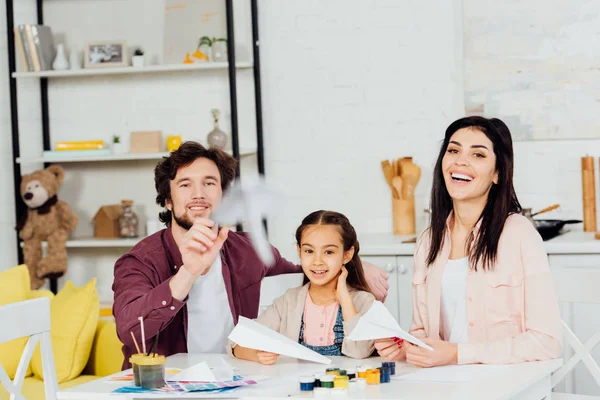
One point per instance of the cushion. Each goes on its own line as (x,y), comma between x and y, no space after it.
(106,357)
(74,316)
(33,388)
(14,287)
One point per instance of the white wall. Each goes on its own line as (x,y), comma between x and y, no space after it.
(345,85)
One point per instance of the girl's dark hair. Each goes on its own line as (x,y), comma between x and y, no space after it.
(166,170)
(356,274)
(502,199)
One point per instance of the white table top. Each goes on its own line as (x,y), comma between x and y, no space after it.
(573,242)
(509,381)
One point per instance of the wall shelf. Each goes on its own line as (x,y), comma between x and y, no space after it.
(130,70)
(84,243)
(113,157)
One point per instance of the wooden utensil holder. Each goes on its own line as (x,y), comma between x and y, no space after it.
(403,214)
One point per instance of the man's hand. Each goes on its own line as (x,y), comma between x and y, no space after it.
(266,358)
(201,245)
(377,280)
(391,349)
(444,353)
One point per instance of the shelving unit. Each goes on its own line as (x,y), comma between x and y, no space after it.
(131,70)
(66,157)
(44,76)
(84,243)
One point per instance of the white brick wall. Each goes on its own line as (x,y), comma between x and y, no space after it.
(345,85)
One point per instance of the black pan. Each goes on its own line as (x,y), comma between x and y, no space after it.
(550,228)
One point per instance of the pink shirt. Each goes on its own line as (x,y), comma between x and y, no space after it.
(512,311)
(319,322)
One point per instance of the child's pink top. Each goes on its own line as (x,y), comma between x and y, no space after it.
(319,322)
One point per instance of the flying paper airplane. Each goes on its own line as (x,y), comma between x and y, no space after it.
(250,201)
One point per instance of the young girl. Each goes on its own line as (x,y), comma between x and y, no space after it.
(482,287)
(335,293)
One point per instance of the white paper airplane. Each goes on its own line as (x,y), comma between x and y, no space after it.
(251,334)
(378,323)
(250,202)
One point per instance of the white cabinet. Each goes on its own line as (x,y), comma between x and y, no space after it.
(398,301)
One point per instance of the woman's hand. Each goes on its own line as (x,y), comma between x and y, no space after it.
(391,349)
(444,353)
(266,358)
(377,280)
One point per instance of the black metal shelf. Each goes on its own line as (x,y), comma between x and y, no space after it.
(20,207)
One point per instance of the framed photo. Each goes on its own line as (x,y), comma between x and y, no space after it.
(105,54)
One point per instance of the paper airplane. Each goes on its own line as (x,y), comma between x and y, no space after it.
(250,202)
(378,323)
(251,334)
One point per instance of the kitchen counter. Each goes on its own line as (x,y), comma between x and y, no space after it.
(573,242)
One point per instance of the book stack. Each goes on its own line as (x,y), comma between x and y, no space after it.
(86,148)
(35,46)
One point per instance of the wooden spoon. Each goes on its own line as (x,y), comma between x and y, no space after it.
(552,207)
(397,184)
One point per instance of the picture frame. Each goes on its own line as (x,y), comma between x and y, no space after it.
(106,53)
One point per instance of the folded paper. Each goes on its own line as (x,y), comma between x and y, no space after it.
(378,323)
(251,334)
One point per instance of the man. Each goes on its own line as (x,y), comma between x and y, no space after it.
(192,280)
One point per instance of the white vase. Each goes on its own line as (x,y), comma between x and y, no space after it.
(219,51)
(137,61)
(60,62)
(74,58)
(119,148)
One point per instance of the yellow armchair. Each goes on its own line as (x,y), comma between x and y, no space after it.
(105,358)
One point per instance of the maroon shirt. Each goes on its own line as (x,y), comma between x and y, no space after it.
(141,288)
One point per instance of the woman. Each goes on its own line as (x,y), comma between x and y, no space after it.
(482,288)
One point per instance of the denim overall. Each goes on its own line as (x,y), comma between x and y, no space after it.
(332,350)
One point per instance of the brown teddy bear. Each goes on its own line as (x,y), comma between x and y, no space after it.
(47,219)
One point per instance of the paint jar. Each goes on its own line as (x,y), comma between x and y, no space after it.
(343,372)
(136,375)
(361,383)
(321,392)
(151,371)
(317,380)
(307,383)
(384,375)
(341,381)
(391,366)
(361,372)
(327,381)
(352,386)
(373,377)
(332,371)
(351,373)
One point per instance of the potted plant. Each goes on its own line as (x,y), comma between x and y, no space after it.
(137,60)
(118,147)
(203,51)
(219,49)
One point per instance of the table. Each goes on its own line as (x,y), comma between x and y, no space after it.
(520,381)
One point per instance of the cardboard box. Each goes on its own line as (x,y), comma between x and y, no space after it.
(145,142)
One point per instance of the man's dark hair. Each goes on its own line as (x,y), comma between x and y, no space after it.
(186,154)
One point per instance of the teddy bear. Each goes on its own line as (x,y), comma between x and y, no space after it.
(46,219)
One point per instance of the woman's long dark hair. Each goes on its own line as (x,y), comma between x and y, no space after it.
(356,274)
(502,199)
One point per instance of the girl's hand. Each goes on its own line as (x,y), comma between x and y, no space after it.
(444,353)
(391,349)
(341,292)
(266,358)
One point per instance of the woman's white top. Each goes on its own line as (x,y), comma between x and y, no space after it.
(453,318)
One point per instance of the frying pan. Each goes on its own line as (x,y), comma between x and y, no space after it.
(550,228)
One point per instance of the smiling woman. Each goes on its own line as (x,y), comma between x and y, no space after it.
(482,288)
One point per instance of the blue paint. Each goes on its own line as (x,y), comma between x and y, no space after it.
(307,383)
